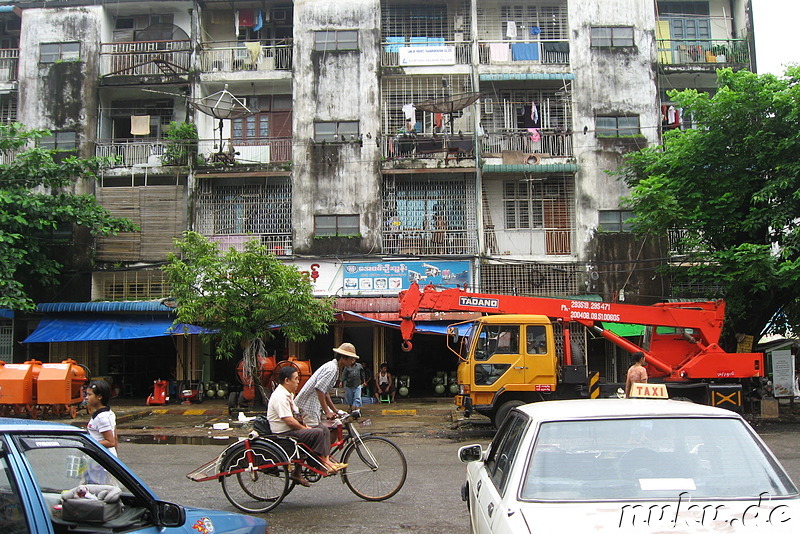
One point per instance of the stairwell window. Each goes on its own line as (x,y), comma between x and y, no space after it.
(336,225)
(52,52)
(612,36)
(617,126)
(330,40)
(614,220)
(335,131)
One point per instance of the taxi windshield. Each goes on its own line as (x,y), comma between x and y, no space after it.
(650,458)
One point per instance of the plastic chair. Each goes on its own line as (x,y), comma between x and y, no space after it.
(385,397)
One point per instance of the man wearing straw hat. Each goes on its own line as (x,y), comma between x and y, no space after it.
(314,397)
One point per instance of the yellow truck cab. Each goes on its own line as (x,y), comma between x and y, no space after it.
(510,360)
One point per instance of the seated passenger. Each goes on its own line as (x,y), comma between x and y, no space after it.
(284,419)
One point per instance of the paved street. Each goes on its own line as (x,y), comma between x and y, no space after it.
(429,501)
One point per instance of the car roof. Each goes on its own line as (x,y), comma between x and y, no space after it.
(8,424)
(602,408)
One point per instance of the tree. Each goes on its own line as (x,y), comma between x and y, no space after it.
(243,296)
(35,200)
(731,187)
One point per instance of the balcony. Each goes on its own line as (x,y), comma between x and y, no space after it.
(523,53)
(710,54)
(259,56)
(9,62)
(423,243)
(552,142)
(278,244)
(447,147)
(157,152)
(424,51)
(145,58)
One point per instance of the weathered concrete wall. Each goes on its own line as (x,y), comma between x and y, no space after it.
(60,95)
(620,82)
(336,86)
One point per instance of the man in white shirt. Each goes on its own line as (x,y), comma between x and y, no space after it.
(283,419)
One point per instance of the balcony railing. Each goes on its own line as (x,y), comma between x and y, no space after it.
(551,143)
(145,58)
(9,62)
(278,244)
(519,53)
(155,152)
(439,146)
(425,53)
(259,56)
(421,242)
(694,52)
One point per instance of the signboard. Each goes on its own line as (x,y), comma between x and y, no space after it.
(648,391)
(325,276)
(426,55)
(391,277)
(783,383)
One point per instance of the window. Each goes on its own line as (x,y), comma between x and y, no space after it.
(272,118)
(537,339)
(336,40)
(336,225)
(335,131)
(52,52)
(608,36)
(63,141)
(617,126)
(499,339)
(504,449)
(614,220)
(522,204)
(13,511)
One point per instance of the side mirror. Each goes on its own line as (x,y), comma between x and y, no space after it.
(470,453)
(452,333)
(170,515)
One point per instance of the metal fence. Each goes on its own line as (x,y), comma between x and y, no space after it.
(248,56)
(145,58)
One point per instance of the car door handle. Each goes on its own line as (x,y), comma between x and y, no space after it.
(520,367)
(490,509)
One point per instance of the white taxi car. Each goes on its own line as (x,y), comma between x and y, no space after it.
(624,466)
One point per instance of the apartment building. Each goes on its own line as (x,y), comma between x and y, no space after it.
(371,143)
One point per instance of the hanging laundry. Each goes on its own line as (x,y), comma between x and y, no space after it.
(511,29)
(535,135)
(236,23)
(438,120)
(528,114)
(535,30)
(247,18)
(259,20)
(410,113)
(535,113)
(254,48)
(499,52)
(140,125)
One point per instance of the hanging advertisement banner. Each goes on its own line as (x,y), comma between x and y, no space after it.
(783,379)
(391,277)
(426,55)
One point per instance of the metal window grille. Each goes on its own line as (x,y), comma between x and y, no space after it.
(530,279)
(6,343)
(432,215)
(507,107)
(8,109)
(549,16)
(131,285)
(425,20)
(401,90)
(245,206)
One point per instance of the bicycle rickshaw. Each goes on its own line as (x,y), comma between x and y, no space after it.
(254,472)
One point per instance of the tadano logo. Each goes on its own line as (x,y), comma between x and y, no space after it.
(478,302)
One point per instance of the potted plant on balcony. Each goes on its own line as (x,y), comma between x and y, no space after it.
(182,142)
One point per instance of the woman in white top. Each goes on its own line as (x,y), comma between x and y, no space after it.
(102,427)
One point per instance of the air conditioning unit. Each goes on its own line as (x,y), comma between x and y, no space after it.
(458,23)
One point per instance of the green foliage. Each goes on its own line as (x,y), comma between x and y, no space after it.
(241,295)
(734,185)
(35,199)
(181,143)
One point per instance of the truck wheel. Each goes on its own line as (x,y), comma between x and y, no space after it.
(503,411)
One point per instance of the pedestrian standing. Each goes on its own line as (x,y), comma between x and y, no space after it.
(102,427)
(637,374)
(353,378)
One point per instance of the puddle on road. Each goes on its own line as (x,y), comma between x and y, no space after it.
(180,440)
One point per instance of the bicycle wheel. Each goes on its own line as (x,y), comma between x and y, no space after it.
(256,490)
(376,468)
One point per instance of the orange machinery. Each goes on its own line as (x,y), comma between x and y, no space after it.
(268,370)
(33,388)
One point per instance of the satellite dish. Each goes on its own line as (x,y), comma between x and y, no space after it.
(449,104)
(221,105)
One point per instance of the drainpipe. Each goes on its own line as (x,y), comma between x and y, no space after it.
(476,140)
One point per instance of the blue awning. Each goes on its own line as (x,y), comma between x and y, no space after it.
(420,327)
(5,313)
(89,327)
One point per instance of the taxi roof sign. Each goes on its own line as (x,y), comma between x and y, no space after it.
(648,391)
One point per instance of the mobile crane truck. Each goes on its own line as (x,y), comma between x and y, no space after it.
(524,351)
